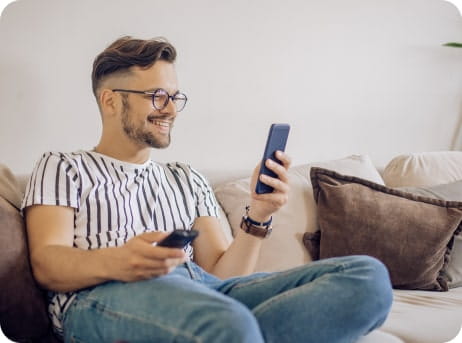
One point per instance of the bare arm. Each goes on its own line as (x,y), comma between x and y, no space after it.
(210,248)
(212,253)
(59,266)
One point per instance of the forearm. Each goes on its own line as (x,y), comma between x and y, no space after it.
(240,258)
(242,255)
(64,269)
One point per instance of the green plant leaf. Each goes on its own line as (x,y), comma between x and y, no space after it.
(453,44)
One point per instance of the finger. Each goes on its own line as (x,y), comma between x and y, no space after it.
(257,167)
(279,185)
(149,273)
(152,237)
(280,170)
(161,264)
(163,253)
(146,268)
(159,268)
(148,250)
(274,202)
(284,158)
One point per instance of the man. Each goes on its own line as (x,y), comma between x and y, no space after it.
(93,218)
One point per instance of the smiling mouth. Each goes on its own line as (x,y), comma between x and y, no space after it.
(165,123)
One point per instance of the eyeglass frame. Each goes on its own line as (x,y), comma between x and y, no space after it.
(153,93)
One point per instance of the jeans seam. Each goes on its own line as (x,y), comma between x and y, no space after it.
(340,267)
(104,309)
(261,309)
(191,271)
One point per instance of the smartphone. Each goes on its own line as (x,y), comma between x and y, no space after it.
(277,140)
(178,239)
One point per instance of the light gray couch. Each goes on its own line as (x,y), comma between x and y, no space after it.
(416,316)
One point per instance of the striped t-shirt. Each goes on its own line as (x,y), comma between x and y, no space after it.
(114,201)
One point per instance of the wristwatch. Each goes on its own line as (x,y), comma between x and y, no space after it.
(255,228)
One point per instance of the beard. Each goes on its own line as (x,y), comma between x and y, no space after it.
(139,134)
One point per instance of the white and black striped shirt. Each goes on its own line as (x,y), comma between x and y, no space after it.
(114,201)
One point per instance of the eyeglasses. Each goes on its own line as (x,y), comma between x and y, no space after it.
(160,98)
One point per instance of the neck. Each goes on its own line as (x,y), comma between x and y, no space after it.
(123,151)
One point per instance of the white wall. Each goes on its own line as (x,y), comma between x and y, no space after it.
(350,76)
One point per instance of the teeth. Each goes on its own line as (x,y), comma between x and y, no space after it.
(162,123)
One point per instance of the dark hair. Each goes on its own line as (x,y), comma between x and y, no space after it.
(126,52)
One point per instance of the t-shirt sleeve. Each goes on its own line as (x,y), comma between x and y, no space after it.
(206,204)
(54,181)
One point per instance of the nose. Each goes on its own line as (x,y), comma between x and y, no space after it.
(170,108)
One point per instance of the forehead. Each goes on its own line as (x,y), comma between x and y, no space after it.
(161,74)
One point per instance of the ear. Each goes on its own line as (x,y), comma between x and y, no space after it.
(109,102)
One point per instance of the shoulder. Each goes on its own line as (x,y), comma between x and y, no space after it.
(69,157)
(58,162)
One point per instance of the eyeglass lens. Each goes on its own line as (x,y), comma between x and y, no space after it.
(160,100)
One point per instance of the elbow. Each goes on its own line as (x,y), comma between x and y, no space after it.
(41,273)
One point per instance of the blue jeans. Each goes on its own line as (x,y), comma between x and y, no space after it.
(332,300)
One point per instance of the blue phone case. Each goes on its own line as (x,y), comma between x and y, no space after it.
(277,140)
(178,239)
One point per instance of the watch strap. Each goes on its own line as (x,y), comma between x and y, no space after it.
(255,230)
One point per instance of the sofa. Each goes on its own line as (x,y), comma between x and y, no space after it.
(407,213)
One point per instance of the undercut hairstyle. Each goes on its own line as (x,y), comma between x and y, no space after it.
(127,52)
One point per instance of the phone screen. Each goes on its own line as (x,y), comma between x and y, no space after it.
(277,140)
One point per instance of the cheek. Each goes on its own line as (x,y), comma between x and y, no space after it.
(141,105)
(142,112)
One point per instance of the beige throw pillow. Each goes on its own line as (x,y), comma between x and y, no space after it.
(424,169)
(9,187)
(284,248)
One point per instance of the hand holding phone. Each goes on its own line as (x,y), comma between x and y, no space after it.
(179,239)
(277,140)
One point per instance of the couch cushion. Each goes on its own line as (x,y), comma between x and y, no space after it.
(425,317)
(412,235)
(424,169)
(379,336)
(284,249)
(23,312)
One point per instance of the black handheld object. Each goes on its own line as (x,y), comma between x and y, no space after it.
(178,239)
(277,140)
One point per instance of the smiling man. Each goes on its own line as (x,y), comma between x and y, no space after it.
(94,218)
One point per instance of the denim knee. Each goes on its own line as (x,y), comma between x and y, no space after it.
(376,294)
(230,322)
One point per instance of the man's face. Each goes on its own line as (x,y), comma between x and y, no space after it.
(144,125)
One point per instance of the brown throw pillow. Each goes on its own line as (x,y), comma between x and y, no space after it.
(411,234)
(453,192)
(23,309)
